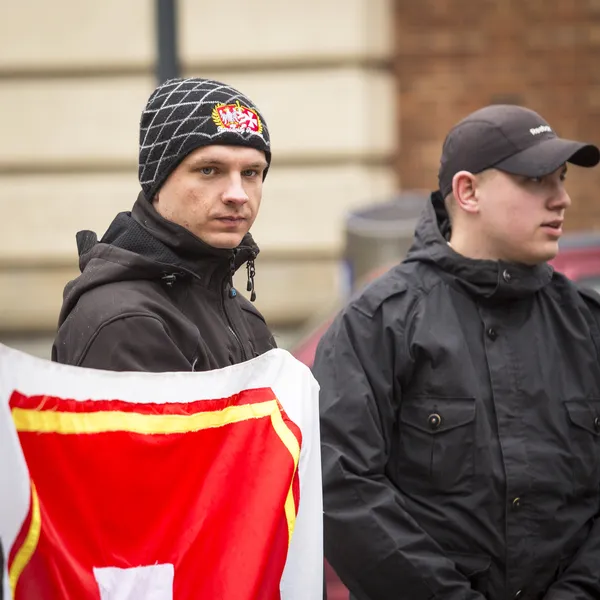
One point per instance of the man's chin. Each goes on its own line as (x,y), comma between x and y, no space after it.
(550,251)
(223,241)
(541,255)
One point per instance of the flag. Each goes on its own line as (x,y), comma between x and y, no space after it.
(176,486)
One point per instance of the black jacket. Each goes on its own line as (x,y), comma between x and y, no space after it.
(460,423)
(154,297)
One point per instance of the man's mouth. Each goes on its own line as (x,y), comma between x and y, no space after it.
(553,228)
(231,222)
(556,224)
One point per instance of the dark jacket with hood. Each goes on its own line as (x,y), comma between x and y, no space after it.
(460,424)
(153,297)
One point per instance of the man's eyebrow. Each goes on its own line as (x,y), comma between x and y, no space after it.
(209,161)
(202,162)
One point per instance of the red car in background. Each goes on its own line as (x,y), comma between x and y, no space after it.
(578,259)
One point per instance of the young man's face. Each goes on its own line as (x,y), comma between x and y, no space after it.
(522,218)
(215,193)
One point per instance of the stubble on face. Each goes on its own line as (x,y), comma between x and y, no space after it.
(215,193)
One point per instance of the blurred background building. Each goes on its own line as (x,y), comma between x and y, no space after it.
(358,96)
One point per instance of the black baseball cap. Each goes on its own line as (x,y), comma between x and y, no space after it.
(512,139)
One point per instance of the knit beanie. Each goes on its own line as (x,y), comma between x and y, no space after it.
(184,114)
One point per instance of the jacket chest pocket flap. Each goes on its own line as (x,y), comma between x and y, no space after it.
(585,414)
(437,440)
(583,440)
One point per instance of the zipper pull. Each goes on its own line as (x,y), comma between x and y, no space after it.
(251,273)
(169,279)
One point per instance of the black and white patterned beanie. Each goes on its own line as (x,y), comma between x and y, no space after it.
(184,114)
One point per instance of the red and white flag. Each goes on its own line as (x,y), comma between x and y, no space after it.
(176,486)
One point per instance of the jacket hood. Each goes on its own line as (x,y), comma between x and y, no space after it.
(141,244)
(496,280)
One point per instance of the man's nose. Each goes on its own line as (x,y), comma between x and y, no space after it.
(560,200)
(235,192)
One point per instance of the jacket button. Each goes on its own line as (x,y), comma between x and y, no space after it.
(597,423)
(516,503)
(518,594)
(492,333)
(506,276)
(434,421)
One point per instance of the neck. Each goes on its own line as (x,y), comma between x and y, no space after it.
(471,246)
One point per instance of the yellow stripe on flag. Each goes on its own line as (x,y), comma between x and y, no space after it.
(291,443)
(29,545)
(48,421)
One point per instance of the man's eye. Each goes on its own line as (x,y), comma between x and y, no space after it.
(207,170)
(250,173)
(535,179)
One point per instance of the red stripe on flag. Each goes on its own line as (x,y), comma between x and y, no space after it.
(52,403)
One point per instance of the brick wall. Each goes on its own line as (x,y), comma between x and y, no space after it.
(454,56)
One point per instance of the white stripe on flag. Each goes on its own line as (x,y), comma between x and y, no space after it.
(138,583)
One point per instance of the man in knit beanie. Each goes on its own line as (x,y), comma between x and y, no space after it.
(156,292)
(185,114)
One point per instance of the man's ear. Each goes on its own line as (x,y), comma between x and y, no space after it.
(464,188)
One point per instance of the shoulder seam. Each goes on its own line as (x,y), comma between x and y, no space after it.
(418,290)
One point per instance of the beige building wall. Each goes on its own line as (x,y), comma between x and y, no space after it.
(75,75)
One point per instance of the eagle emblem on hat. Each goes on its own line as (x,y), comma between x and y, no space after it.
(236,117)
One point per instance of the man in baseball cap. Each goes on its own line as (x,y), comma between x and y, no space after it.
(512,139)
(516,152)
(460,392)
(156,293)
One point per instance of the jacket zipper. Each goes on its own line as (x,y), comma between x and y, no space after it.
(233,332)
(223,303)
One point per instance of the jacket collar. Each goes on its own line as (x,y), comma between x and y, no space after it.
(183,242)
(495,280)
(171,247)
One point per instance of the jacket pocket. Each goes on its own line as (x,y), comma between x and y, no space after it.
(475,567)
(437,442)
(584,439)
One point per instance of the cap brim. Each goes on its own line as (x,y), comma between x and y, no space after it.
(549,155)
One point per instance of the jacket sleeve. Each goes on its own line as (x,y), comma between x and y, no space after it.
(133,343)
(580,580)
(376,547)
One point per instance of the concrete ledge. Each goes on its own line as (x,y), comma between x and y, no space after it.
(288,292)
(77,33)
(303,209)
(93,123)
(71,36)
(238,32)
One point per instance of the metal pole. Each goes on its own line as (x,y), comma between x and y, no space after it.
(167,64)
